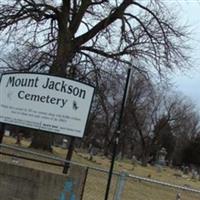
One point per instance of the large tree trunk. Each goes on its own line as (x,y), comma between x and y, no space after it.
(63,57)
(107,143)
(42,141)
(144,158)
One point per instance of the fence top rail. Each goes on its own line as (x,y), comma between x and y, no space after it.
(163,183)
(55,158)
(61,160)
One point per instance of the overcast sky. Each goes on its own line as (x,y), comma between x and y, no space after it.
(189,82)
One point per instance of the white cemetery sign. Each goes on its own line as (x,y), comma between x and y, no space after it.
(44,102)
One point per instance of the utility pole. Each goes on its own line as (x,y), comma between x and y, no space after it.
(117,134)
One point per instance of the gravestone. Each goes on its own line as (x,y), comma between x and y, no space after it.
(119,156)
(185,170)
(134,160)
(159,168)
(194,174)
(7,133)
(91,153)
(161,157)
(178,196)
(64,143)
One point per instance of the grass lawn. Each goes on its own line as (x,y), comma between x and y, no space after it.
(96,180)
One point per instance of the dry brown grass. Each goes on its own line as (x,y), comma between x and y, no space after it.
(96,181)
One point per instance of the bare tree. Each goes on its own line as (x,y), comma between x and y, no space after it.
(153,113)
(87,36)
(107,101)
(140,109)
(185,126)
(25,59)
(78,32)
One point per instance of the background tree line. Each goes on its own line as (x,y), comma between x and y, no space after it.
(154,117)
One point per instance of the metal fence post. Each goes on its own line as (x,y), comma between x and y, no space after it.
(120,185)
(85,179)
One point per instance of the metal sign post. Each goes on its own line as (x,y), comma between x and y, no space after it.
(117,134)
(2,129)
(69,155)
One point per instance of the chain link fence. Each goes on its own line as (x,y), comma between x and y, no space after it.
(96,183)
(129,187)
(123,186)
(138,189)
